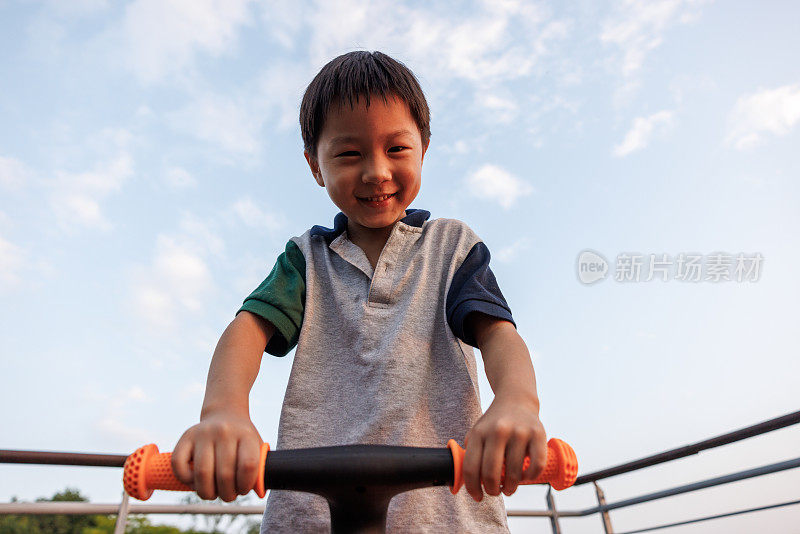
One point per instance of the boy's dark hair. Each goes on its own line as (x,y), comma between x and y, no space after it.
(360,74)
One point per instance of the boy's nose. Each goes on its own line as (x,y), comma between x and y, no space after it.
(376,171)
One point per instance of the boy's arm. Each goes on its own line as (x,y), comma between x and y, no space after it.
(510,429)
(224,446)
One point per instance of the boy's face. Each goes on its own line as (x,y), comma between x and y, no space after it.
(370,160)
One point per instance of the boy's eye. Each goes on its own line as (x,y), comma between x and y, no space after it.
(354,153)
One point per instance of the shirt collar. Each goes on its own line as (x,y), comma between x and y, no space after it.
(414,217)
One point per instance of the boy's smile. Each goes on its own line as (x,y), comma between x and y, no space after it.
(369,159)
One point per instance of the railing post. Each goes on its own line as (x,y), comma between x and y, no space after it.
(122,515)
(551,505)
(601,500)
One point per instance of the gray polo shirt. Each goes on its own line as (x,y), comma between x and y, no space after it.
(383,357)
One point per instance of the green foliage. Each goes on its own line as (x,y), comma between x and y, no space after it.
(99,524)
(46,524)
(218,523)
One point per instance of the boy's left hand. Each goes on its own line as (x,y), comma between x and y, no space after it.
(508,431)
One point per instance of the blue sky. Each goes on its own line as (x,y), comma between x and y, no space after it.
(151,171)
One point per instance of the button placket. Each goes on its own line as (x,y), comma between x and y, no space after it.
(382,278)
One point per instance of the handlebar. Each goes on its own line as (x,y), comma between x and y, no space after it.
(324,469)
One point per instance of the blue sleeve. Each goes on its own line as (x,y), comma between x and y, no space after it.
(474,288)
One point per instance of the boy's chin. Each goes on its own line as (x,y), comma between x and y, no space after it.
(376,223)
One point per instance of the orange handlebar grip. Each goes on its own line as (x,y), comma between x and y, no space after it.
(147,470)
(560,471)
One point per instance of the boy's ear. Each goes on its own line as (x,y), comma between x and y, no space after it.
(424,150)
(314,166)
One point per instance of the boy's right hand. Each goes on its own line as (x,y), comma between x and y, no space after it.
(219,456)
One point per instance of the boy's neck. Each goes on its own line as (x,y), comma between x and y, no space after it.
(370,240)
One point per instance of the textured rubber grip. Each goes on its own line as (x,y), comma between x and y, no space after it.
(560,470)
(147,470)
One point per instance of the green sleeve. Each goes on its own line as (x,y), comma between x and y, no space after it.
(280,299)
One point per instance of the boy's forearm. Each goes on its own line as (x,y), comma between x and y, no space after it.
(235,365)
(507,362)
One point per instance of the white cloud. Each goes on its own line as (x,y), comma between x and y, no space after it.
(487,43)
(769,111)
(475,144)
(283,20)
(638,26)
(12,262)
(20,270)
(236,122)
(112,429)
(279,91)
(500,109)
(115,408)
(136,393)
(551,113)
(684,86)
(486,52)
(198,235)
(81,209)
(192,391)
(253,216)
(183,271)
(179,178)
(460,147)
(500,41)
(154,304)
(228,123)
(512,251)
(641,131)
(162,37)
(14,174)
(76,7)
(178,279)
(494,183)
(76,197)
(482,49)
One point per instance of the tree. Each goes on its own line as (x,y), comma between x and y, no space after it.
(88,524)
(218,523)
(46,524)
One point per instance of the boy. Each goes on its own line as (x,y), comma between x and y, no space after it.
(384,310)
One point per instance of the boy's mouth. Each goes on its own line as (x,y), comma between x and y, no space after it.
(380,198)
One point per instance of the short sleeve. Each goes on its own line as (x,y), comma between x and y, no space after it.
(474,288)
(280,299)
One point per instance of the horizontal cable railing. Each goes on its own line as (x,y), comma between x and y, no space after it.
(86,508)
(688,488)
(603,508)
(688,450)
(710,517)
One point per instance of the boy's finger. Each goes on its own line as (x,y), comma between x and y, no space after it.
(471,468)
(515,455)
(203,467)
(180,459)
(225,469)
(492,465)
(537,451)
(247,458)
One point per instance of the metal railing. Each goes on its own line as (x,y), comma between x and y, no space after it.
(603,508)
